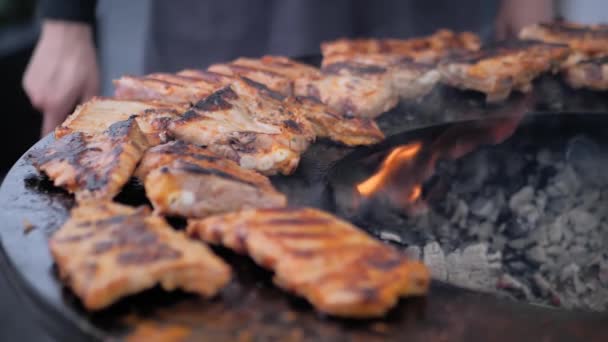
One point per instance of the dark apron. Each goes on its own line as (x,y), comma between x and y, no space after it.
(196,33)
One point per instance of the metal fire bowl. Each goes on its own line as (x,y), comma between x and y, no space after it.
(251,307)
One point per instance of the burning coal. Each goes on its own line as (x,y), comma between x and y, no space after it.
(391,166)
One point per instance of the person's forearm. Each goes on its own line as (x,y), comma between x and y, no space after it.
(69,10)
(513,15)
(63,70)
(530,7)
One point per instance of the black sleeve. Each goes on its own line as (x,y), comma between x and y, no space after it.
(70,10)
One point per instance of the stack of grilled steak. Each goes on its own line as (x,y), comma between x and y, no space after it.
(587,66)
(203,143)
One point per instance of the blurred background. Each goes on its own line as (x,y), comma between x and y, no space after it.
(121,37)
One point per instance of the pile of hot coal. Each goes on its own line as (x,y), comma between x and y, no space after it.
(521,220)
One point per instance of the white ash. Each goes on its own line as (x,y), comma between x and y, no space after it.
(390,236)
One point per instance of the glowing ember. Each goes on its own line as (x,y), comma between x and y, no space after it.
(391,165)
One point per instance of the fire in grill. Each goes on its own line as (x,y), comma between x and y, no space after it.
(520,213)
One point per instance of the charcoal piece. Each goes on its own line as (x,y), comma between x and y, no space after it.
(582,221)
(588,160)
(521,198)
(434,259)
(509,282)
(484,208)
(536,254)
(413,252)
(474,267)
(544,157)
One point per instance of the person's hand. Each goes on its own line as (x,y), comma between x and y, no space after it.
(62,71)
(513,15)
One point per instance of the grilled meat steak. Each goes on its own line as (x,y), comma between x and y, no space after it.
(497,70)
(106,251)
(94,167)
(350,88)
(590,73)
(346,129)
(97,114)
(188,86)
(588,40)
(280,74)
(187,180)
(407,63)
(338,268)
(163,155)
(273,80)
(250,124)
(410,79)
(428,49)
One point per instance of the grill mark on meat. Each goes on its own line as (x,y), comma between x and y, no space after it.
(493,50)
(76,238)
(383,262)
(161,124)
(292,125)
(128,234)
(298,221)
(279,210)
(103,246)
(355,68)
(299,234)
(411,64)
(595,61)
(193,168)
(573,31)
(93,181)
(104,222)
(217,101)
(121,129)
(189,115)
(166,84)
(180,148)
(264,89)
(499,49)
(148,255)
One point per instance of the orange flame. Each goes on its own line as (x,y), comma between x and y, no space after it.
(393,163)
(404,170)
(416,192)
